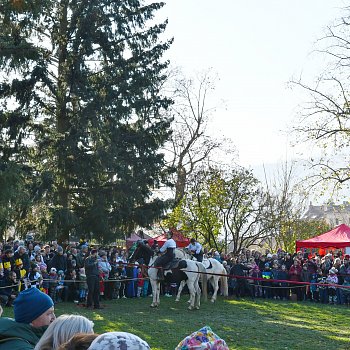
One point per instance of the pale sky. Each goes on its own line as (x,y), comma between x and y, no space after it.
(256,47)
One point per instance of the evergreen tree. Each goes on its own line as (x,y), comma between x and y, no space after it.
(81,108)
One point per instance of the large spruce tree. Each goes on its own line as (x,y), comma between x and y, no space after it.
(81,110)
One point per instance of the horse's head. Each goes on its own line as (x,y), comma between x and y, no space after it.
(138,252)
(143,252)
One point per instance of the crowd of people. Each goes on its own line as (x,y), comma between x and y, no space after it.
(300,276)
(86,275)
(74,273)
(35,276)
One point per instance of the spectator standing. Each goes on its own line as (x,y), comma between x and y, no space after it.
(21,254)
(240,270)
(8,260)
(59,261)
(82,255)
(9,289)
(92,279)
(284,290)
(332,278)
(21,274)
(295,276)
(275,275)
(53,283)
(83,287)
(314,289)
(45,285)
(34,276)
(140,282)
(305,277)
(266,275)
(104,268)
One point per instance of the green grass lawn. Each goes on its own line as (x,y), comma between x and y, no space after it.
(243,324)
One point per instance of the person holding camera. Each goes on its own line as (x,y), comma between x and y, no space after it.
(92,280)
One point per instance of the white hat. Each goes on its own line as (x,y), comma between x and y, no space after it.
(118,341)
(53,269)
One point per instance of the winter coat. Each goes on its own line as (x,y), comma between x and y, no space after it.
(295,273)
(59,262)
(18,336)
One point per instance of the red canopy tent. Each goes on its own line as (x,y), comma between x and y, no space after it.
(337,238)
(134,238)
(179,238)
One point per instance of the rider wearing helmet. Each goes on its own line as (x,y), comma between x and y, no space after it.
(168,250)
(195,249)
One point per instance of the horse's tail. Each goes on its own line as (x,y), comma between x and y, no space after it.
(204,280)
(224,282)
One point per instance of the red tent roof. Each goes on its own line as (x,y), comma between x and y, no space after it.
(179,238)
(339,237)
(134,238)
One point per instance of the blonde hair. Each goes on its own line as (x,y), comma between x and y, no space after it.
(79,341)
(62,329)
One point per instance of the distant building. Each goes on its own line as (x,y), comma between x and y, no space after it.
(333,214)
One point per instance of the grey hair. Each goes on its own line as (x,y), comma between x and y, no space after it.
(62,329)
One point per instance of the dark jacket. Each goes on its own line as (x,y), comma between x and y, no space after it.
(59,262)
(8,287)
(91,266)
(18,336)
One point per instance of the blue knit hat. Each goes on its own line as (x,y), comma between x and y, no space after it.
(30,304)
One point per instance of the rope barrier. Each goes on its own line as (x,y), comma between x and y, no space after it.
(298,284)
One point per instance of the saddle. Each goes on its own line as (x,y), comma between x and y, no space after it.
(167,267)
(173,264)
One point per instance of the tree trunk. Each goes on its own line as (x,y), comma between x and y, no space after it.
(62,123)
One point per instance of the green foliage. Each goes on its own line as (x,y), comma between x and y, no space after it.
(222,209)
(12,194)
(299,229)
(81,106)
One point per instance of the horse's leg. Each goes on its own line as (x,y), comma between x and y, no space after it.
(198,297)
(182,285)
(215,284)
(192,291)
(158,293)
(154,286)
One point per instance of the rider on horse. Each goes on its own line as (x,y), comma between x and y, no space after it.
(195,249)
(169,254)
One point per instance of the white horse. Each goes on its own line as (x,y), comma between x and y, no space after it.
(215,272)
(187,270)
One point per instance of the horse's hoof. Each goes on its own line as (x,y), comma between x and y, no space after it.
(153,305)
(189,301)
(190,307)
(197,307)
(177,299)
(212,300)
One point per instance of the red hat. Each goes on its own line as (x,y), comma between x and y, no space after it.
(347,257)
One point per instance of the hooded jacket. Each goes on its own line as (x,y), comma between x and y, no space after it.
(18,336)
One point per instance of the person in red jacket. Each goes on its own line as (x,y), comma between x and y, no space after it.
(295,275)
